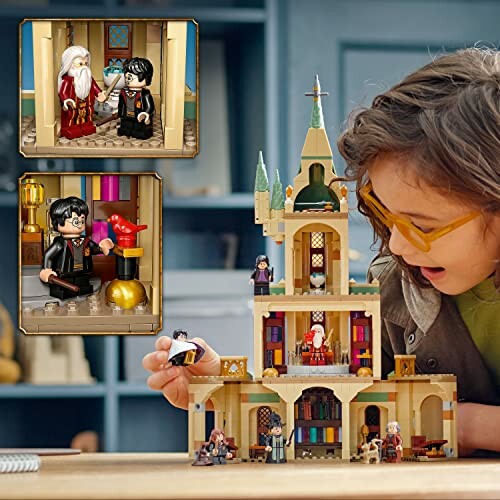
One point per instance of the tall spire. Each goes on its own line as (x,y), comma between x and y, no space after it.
(261,181)
(277,199)
(317,111)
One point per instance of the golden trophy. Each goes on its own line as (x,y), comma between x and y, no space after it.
(32,196)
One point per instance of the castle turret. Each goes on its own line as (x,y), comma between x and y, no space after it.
(268,214)
(312,188)
(317,111)
(277,200)
(277,209)
(261,192)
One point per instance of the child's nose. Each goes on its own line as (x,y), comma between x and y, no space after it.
(398,244)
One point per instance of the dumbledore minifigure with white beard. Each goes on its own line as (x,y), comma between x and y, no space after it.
(77,92)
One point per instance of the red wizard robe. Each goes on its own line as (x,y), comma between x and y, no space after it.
(76,122)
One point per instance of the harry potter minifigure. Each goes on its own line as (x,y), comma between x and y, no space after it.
(69,258)
(136,106)
(261,276)
(182,351)
(77,91)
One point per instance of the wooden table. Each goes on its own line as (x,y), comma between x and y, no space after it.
(150,476)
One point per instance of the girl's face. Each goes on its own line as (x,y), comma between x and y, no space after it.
(458,260)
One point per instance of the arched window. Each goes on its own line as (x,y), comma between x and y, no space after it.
(372,420)
(263,421)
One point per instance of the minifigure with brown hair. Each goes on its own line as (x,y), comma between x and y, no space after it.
(218,447)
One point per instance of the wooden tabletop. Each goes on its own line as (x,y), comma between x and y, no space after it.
(155,475)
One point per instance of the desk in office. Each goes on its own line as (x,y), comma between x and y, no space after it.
(155,475)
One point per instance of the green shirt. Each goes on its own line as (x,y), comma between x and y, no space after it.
(480,310)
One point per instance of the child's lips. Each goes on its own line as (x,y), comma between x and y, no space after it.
(432,273)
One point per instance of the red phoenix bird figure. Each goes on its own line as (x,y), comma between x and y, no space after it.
(125,231)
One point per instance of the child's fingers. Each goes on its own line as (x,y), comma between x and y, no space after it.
(155,361)
(161,378)
(163,343)
(173,385)
(177,392)
(209,364)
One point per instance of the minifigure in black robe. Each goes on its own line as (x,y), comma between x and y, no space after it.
(276,442)
(135,105)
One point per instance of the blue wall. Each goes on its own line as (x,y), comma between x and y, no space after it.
(28,79)
(191,56)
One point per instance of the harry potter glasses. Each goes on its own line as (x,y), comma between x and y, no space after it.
(78,221)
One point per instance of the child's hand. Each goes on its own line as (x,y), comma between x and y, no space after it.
(173,381)
(477,428)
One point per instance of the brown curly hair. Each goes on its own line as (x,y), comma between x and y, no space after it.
(446,116)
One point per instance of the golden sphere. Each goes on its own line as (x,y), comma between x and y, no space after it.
(364,371)
(270,372)
(126,293)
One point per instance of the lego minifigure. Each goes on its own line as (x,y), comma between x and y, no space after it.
(261,276)
(69,258)
(392,443)
(218,447)
(182,352)
(276,442)
(315,340)
(77,91)
(136,106)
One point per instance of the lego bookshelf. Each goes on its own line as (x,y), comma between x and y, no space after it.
(274,342)
(361,341)
(318,422)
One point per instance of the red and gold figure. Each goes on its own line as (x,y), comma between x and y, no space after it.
(77,91)
(315,340)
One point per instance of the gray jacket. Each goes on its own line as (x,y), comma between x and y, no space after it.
(424,322)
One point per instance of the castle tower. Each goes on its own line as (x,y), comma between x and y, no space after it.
(314,226)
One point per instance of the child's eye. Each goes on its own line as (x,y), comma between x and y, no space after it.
(424,229)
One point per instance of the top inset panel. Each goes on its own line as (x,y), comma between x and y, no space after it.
(113,88)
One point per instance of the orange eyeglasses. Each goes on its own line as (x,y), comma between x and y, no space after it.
(412,233)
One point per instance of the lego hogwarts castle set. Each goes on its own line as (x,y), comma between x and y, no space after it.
(317,339)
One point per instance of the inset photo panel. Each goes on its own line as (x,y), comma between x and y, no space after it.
(108,88)
(90,253)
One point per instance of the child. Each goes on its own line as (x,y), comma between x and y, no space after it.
(425,157)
